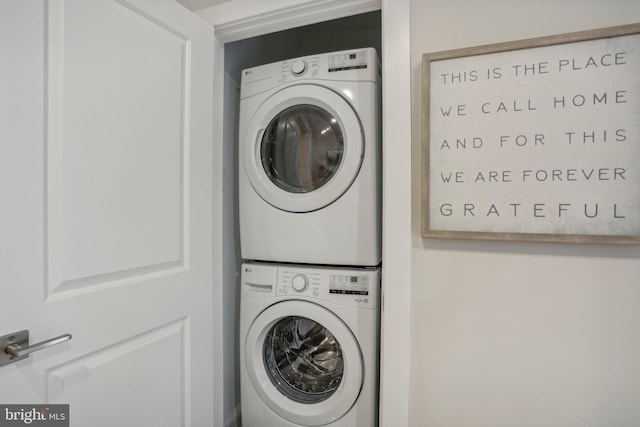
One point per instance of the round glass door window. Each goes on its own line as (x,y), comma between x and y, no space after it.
(303,359)
(302,148)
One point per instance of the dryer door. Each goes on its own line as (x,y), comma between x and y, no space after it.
(304,362)
(304,148)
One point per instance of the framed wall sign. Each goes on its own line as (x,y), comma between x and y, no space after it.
(534,140)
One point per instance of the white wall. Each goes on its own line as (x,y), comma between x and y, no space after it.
(519,334)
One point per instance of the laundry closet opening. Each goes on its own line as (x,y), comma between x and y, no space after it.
(352,32)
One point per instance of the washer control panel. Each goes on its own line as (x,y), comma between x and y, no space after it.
(348,286)
(296,282)
(300,283)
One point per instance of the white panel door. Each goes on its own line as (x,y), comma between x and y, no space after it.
(106,200)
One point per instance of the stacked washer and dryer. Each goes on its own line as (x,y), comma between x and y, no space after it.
(310,236)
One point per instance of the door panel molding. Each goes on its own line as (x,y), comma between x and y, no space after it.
(153,353)
(85,285)
(157,208)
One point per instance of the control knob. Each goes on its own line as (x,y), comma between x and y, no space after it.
(300,282)
(298,68)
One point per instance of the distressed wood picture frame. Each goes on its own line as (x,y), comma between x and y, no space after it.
(534,140)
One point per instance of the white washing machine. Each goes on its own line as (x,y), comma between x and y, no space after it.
(309,346)
(309,172)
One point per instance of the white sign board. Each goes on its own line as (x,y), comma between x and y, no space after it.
(534,140)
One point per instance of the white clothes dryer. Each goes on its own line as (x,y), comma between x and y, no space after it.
(309,345)
(309,161)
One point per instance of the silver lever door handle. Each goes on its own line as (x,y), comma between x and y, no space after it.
(14,347)
(16,350)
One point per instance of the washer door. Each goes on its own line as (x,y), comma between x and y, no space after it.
(304,362)
(303,149)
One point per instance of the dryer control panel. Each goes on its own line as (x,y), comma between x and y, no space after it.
(348,61)
(309,67)
(356,65)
